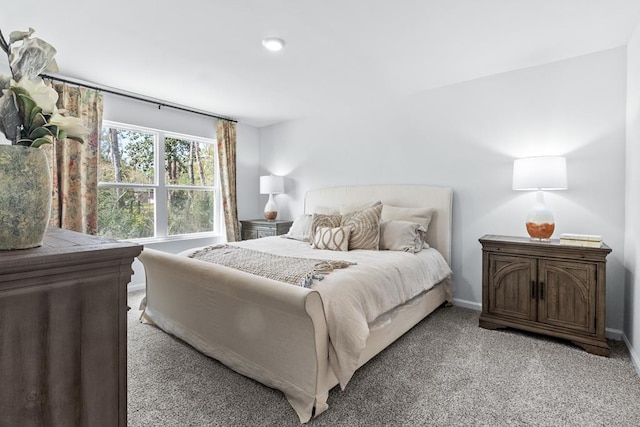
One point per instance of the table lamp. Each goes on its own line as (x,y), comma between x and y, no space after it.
(540,173)
(271,184)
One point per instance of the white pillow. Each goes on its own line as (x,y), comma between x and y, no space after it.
(334,239)
(300,229)
(401,236)
(421,216)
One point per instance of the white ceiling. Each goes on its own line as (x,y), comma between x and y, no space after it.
(340,56)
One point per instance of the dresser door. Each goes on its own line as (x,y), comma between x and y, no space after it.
(567,295)
(512,286)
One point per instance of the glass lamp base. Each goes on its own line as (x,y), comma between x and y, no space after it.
(270,209)
(540,231)
(540,223)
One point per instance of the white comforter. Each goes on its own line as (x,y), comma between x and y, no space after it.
(356,296)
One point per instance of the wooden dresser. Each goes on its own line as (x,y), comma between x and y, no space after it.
(63,332)
(257,228)
(545,287)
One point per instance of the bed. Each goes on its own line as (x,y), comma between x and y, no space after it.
(287,337)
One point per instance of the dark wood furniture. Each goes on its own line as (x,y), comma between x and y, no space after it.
(545,287)
(257,228)
(63,331)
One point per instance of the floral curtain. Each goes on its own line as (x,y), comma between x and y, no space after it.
(74,166)
(226,133)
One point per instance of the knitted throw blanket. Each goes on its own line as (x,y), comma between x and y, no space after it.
(295,271)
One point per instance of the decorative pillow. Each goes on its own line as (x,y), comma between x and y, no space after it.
(365,228)
(334,239)
(354,207)
(320,220)
(421,216)
(400,236)
(300,229)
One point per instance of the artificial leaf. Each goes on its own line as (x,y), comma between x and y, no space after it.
(40,141)
(9,115)
(24,141)
(40,132)
(37,110)
(38,121)
(62,134)
(53,129)
(25,105)
(76,138)
(19,91)
(31,58)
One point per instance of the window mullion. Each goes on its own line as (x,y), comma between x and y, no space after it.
(162,216)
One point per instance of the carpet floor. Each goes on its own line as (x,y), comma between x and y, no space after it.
(446,371)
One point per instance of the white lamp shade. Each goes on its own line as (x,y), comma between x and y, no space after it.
(271,184)
(540,173)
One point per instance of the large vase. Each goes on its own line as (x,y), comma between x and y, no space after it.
(25,196)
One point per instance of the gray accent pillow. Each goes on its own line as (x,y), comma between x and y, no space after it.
(365,228)
(401,236)
(421,216)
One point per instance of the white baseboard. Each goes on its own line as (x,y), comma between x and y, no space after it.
(635,359)
(467,304)
(613,334)
(135,287)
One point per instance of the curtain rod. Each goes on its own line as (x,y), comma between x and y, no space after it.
(132,96)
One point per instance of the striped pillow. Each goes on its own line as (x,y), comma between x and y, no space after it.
(334,239)
(365,228)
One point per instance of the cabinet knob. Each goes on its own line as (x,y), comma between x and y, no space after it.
(541,290)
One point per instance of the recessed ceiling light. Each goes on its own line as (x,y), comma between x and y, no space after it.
(273,44)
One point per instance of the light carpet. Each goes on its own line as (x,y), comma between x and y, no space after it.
(446,371)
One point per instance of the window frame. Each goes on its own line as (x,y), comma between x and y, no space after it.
(160,187)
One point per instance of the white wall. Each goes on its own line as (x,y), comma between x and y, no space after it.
(248,176)
(128,111)
(466,136)
(632,213)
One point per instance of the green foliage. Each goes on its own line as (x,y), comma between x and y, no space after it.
(129,213)
(190,211)
(137,157)
(125,213)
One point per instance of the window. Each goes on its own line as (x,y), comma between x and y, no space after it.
(155,184)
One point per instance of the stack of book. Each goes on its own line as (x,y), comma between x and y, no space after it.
(588,240)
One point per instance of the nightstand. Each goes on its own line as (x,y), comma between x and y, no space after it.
(257,228)
(545,287)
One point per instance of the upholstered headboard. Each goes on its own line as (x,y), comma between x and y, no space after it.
(408,196)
